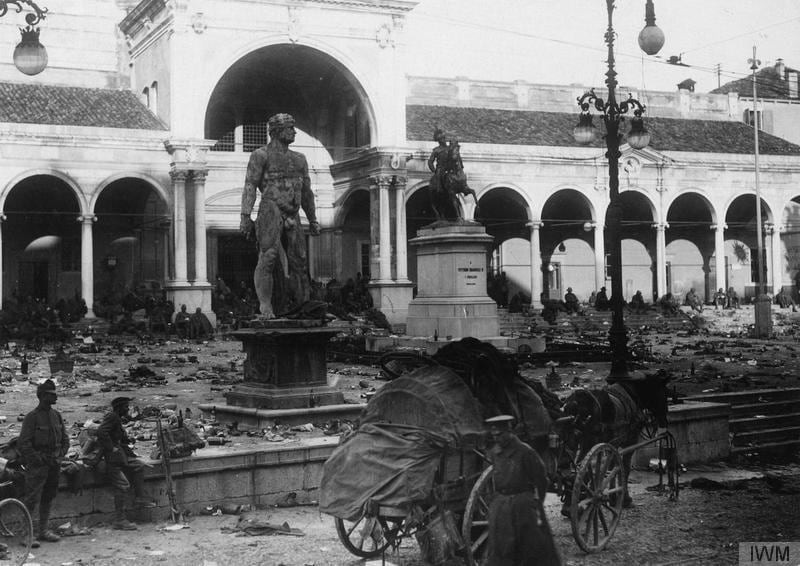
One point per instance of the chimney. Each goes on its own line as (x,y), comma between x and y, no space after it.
(780,68)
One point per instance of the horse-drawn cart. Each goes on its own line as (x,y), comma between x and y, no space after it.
(416,465)
(413,467)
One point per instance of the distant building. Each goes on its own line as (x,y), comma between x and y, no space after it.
(778,100)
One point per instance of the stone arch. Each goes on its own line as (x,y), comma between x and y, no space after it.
(130,235)
(717,212)
(68,180)
(334,67)
(353,234)
(690,242)
(42,236)
(154,184)
(567,248)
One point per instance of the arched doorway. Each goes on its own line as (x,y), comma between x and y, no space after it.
(130,240)
(690,255)
(741,245)
(567,246)
(41,241)
(505,214)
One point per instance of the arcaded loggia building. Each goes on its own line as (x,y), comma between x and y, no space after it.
(122,165)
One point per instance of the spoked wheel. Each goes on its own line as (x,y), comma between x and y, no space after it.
(597,497)
(368,537)
(650,426)
(16,532)
(475,528)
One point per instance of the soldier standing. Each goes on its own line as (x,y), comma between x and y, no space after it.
(518,531)
(43,442)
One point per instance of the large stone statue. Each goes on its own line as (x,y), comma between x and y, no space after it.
(282,177)
(448,179)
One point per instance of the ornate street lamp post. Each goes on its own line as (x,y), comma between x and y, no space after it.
(651,39)
(30,56)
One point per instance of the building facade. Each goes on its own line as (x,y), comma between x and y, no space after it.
(127,171)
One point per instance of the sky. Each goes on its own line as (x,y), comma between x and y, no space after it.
(562,41)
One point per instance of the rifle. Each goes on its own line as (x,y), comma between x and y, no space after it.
(164,448)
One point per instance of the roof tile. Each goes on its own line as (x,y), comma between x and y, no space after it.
(74,106)
(524,127)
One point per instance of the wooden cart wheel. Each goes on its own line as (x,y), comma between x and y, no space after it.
(597,497)
(475,526)
(368,537)
(16,532)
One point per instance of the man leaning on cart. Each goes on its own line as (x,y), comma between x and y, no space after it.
(519,534)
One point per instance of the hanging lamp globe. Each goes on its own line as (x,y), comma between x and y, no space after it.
(584,132)
(638,137)
(651,38)
(30,56)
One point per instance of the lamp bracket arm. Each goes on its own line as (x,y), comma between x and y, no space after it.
(32,18)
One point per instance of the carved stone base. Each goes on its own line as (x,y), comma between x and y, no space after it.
(285,367)
(289,398)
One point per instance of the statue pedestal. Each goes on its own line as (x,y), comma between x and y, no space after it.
(285,366)
(451,283)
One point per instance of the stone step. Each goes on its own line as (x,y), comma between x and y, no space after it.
(737,398)
(766,407)
(781,446)
(766,435)
(764,421)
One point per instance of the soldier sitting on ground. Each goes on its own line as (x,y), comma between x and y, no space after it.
(669,306)
(732,299)
(637,304)
(785,300)
(719,299)
(181,322)
(124,467)
(571,301)
(693,301)
(602,303)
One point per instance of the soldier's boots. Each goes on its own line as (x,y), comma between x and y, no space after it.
(123,525)
(48,536)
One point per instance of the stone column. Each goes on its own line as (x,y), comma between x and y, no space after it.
(536,265)
(200,255)
(3,218)
(179,224)
(385,234)
(776,259)
(661,259)
(599,255)
(401,271)
(719,254)
(87,262)
(337,253)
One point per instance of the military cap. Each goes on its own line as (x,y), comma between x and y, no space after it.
(47,386)
(119,401)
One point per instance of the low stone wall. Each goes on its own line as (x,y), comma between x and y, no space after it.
(701,432)
(255,476)
(536,344)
